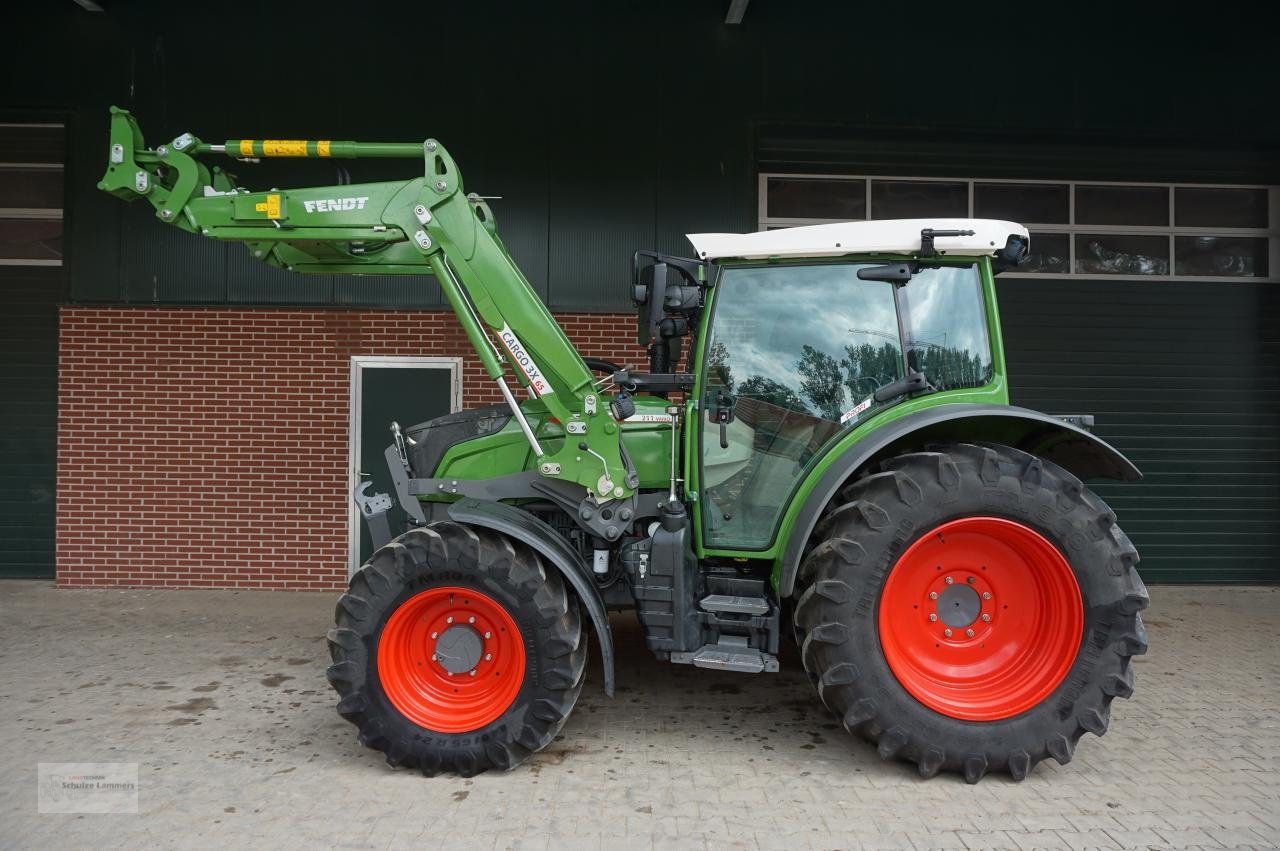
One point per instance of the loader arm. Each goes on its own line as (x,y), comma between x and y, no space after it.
(424,225)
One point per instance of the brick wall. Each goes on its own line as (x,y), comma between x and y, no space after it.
(178,465)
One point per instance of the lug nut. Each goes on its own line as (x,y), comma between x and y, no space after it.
(949,580)
(450,673)
(986,595)
(473,672)
(986,618)
(969,633)
(933,595)
(449,619)
(435,635)
(488,635)
(488,656)
(947,633)
(433,657)
(471,619)
(932,618)
(971,580)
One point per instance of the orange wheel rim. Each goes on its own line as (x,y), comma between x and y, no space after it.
(451,659)
(981,619)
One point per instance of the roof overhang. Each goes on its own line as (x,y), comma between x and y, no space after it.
(893,236)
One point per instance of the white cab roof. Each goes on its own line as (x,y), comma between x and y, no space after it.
(893,236)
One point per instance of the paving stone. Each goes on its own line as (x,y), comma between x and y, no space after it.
(996,840)
(1033,840)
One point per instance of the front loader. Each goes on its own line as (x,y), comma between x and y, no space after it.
(822,451)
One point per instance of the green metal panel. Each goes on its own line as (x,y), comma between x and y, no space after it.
(598,219)
(1012,153)
(92,225)
(673,142)
(386,290)
(656,147)
(1183,378)
(180,268)
(248,280)
(28,418)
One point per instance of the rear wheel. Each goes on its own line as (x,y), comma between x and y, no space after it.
(971,609)
(455,650)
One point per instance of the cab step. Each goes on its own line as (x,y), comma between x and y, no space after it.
(735,604)
(731,654)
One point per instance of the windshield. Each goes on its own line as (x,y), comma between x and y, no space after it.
(795,357)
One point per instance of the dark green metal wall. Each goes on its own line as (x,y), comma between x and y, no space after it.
(1185,379)
(608,127)
(28,418)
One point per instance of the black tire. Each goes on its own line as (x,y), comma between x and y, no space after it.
(858,542)
(510,573)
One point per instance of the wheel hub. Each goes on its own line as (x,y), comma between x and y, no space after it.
(459,649)
(959,605)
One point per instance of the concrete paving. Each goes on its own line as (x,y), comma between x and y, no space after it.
(220,698)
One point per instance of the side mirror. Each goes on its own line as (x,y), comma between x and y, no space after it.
(649,295)
(655,306)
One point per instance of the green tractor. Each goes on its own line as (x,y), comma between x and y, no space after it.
(821,450)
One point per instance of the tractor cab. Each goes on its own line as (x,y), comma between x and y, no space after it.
(805,334)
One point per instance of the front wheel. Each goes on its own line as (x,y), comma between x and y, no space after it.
(969,609)
(456,650)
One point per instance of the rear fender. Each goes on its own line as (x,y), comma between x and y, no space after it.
(526,528)
(1083,454)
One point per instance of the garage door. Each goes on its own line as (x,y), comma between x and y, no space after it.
(29,406)
(1182,377)
(1152,306)
(32,283)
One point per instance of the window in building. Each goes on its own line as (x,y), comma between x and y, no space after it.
(31,192)
(1122,205)
(913,199)
(1140,231)
(1046,203)
(795,198)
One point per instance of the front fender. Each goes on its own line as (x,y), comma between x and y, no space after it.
(1083,454)
(528,529)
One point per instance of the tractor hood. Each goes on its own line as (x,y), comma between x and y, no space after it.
(896,236)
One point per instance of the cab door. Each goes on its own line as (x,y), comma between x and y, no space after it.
(794,356)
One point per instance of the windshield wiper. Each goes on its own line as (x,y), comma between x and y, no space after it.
(915,382)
